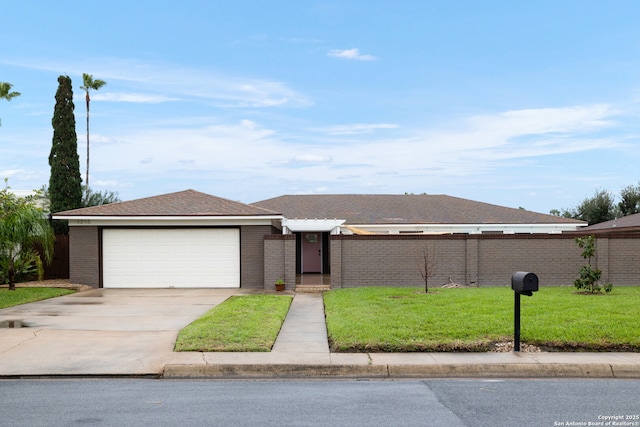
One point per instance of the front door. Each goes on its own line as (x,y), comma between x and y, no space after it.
(311,252)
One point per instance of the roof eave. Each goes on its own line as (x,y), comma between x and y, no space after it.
(174,220)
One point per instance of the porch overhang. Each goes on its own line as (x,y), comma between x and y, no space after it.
(297,225)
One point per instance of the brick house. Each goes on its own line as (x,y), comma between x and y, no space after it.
(191,239)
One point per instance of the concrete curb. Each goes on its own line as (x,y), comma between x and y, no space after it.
(236,371)
(507,370)
(510,370)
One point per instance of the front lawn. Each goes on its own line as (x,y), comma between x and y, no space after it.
(24,295)
(473,319)
(241,323)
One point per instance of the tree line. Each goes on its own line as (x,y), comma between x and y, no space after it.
(602,206)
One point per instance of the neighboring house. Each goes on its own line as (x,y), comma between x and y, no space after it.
(191,239)
(626,224)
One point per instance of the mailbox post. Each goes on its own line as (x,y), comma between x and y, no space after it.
(522,283)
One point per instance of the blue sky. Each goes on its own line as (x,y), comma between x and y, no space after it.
(520,104)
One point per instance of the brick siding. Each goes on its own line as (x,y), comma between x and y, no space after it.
(84,256)
(252,256)
(279,260)
(624,261)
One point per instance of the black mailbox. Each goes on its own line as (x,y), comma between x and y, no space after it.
(524,282)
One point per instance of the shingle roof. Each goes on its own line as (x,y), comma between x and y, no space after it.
(403,209)
(626,223)
(183,203)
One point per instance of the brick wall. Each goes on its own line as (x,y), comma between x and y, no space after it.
(84,256)
(484,260)
(279,260)
(555,259)
(252,256)
(377,260)
(624,261)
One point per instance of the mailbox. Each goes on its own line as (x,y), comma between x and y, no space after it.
(524,282)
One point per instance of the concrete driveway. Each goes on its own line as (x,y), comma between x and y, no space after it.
(101,331)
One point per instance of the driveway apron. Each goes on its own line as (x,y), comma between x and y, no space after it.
(100,332)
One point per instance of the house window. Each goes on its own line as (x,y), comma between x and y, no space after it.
(312,238)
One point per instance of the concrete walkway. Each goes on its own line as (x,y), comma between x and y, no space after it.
(128,332)
(304,330)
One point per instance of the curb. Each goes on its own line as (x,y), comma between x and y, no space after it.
(507,370)
(232,371)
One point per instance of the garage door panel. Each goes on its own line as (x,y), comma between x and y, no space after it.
(171,258)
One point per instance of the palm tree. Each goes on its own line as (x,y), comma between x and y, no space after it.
(88,84)
(23,226)
(5,92)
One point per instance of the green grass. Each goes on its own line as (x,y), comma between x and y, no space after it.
(24,295)
(473,319)
(241,323)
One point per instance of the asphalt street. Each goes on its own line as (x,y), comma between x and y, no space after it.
(472,402)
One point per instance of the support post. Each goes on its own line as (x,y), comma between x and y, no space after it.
(516,322)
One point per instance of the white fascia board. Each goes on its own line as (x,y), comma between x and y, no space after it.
(168,220)
(468,228)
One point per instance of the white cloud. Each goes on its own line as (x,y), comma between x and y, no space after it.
(547,120)
(106,184)
(22,193)
(356,128)
(474,146)
(214,149)
(311,159)
(351,54)
(174,81)
(7,173)
(221,90)
(249,124)
(138,98)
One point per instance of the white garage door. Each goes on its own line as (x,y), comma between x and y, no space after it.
(164,258)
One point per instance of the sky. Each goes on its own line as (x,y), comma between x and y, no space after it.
(520,104)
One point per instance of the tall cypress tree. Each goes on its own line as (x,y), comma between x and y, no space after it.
(65,183)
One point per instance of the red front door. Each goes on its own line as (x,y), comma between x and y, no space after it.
(311,252)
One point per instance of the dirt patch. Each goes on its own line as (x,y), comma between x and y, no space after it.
(456,286)
(453,285)
(507,347)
